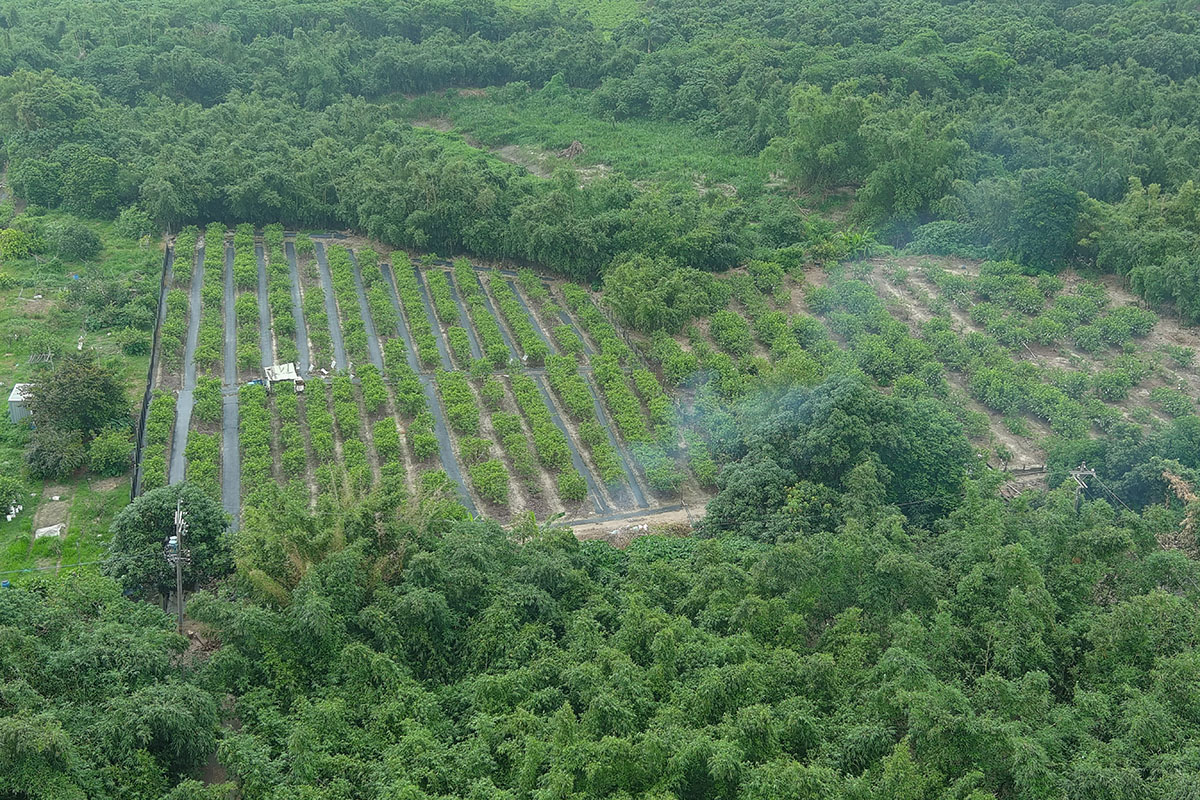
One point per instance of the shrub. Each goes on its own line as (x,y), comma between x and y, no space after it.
(492,393)
(110,452)
(1089,338)
(626,411)
(374,392)
(460,345)
(568,341)
(387,440)
(320,422)
(254,429)
(1172,402)
(571,485)
(474,449)
(421,437)
(444,306)
(1111,384)
(731,332)
(490,480)
(571,388)
(71,240)
(534,350)
(462,413)
(203,454)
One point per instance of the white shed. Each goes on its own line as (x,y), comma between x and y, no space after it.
(280,373)
(18,401)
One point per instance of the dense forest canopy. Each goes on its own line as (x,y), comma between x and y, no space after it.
(859,614)
(1007,128)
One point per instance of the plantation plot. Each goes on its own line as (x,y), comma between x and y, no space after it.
(433,377)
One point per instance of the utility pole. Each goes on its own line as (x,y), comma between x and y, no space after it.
(1079,474)
(178,555)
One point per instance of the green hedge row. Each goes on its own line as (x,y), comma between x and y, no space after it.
(410,400)
(387,441)
(318,328)
(254,429)
(491,340)
(604,455)
(207,399)
(439,292)
(354,332)
(530,344)
(378,301)
(569,385)
(625,410)
(460,345)
(279,299)
(662,410)
(410,397)
(345,408)
(203,455)
(462,412)
(549,443)
(185,256)
(662,474)
(160,422)
(245,267)
(490,479)
(292,456)
(409,292)
(603,333)
(245,307)
(210,343)
(677,364)
(374,392)
(174,328)
(511,435)
(320,422)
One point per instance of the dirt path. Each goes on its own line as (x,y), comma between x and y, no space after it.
(373,351)
(438,335)
(266,341)
(602,503)
(331,312)
(622,529)
(303,345)
(464,319)
(186,399)
(231,456)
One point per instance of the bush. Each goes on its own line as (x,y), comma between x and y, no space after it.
(55,454)
(731,332)
(133,223)
(1089,338)
(133,342)
(571,485)
(568,341)
(492,393)
(460,345)
(530,343)
(374,392)
(1111,384)
(473,449)
(490,480)
(110,453)
(16,244)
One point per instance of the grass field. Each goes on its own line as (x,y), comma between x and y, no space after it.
(36,315)
(541,124)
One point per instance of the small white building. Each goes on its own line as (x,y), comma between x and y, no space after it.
(18,401)
(279,373)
